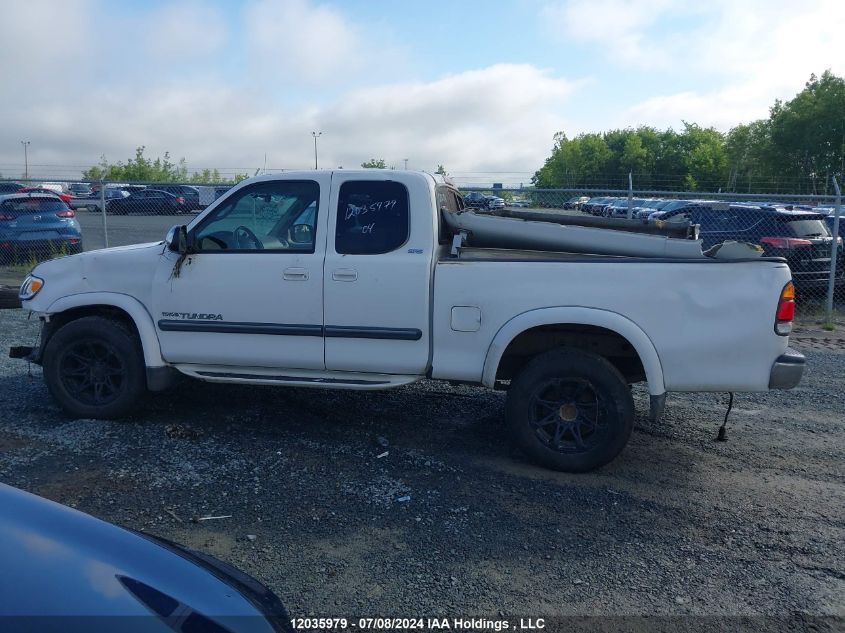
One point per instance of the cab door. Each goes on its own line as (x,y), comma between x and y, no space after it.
(378,273)
(251,295)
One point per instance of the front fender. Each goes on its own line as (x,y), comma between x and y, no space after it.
(613,321)
(134,308)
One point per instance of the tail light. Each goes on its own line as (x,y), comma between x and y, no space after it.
(180,200)
(66,214)
(786,310)
(785,242)
(74,241)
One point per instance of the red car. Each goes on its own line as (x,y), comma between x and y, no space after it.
(65,197)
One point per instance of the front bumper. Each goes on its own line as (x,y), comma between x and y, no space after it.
(787,370)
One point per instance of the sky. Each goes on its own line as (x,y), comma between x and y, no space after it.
(480,87)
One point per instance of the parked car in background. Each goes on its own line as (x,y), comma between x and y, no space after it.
(64,197)
(475,200)
(802,238)
(190,195)
(519,203)
(576,202)
(59,563)
(619,207)
(10,187)
(79,189)
(672,206)
(58,187)
(206,195)
(37,226)
(147,202)
(93,202)
(650,206)
(495,202)
(829,219)
(594,206)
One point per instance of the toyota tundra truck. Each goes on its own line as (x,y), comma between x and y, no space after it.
(354,280)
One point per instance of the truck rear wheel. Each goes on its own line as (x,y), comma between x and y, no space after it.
(570,410)
(94,368)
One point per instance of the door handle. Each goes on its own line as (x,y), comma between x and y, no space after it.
(296,274)
(345,274)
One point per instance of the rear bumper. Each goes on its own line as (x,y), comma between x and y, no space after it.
(787,370)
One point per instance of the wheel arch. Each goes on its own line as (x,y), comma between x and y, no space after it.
(112,304)
(561,318)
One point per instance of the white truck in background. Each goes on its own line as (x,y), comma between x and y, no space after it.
(360,280)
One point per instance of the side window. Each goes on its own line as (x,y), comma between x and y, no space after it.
(372,217)
(269,216)
(682,216)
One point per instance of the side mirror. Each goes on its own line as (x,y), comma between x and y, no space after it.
(177,239)
(301,234)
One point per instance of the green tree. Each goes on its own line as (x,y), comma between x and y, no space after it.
(374,163)
(441,170)
(795,150)
(142,169)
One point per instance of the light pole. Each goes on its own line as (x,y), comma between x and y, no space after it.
(25,160)
(316,135)
(406,163)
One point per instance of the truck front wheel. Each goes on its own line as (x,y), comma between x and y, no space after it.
(94,368)
(570,410)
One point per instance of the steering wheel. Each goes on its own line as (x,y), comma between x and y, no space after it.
(245,238)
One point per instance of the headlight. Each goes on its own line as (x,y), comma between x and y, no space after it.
(30,287)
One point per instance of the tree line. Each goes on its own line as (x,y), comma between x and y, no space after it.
(795,150)
(142,169)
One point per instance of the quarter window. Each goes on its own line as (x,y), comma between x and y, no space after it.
(372,217)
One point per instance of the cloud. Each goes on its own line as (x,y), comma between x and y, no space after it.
(303,40)
(186,31)
(40,43)
(490,119)
(619,29)
(741,55)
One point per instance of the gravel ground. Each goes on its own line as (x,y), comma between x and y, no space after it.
(678,524)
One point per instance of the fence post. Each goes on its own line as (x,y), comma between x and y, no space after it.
(630,196)
(103,208)
(831,283)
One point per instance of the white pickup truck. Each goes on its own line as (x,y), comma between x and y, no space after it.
(353,280)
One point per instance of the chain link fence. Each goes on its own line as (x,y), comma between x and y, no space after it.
(44,219)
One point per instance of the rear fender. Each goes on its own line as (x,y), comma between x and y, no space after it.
(576,316)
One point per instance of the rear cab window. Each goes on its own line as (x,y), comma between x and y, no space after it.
(373,217)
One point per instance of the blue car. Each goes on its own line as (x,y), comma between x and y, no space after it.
(37,226)
(68,572)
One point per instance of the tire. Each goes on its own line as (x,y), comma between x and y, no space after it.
(570,410)
(94,368)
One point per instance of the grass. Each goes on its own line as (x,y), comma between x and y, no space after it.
(17,269)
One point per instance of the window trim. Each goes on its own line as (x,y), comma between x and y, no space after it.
(192,233)
(407,209)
